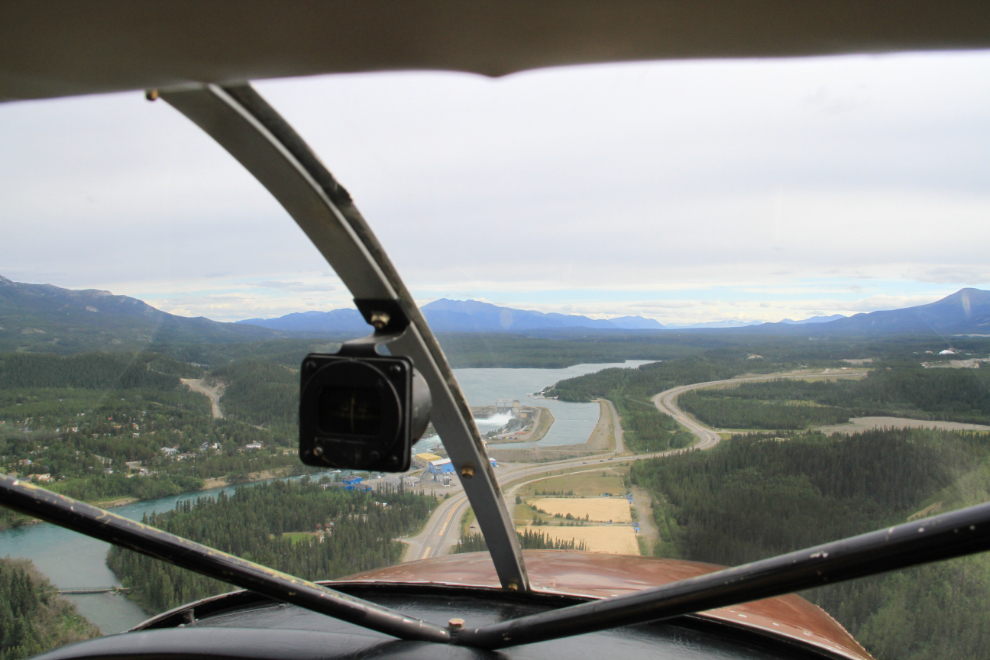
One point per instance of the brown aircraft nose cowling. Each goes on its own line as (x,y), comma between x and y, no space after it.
(601,576)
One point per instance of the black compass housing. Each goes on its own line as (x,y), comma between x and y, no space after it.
(361,413)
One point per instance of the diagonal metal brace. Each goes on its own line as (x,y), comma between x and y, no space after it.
(949,535)
(95,522)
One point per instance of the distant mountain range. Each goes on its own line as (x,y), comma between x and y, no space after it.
(473,316)
(42,317)
(457,316)
(815,319)
(966,311)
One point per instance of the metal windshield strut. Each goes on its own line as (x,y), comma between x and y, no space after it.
(254,133)
(954,534)
(92,521)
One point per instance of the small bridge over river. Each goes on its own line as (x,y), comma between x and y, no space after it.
(93,590)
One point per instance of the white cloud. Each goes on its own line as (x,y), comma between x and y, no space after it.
(294,286)
(665,304)
(879,303)
(955,274)
(775,182)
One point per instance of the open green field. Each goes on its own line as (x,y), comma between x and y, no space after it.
(546,421)
(582,484)
(523,514)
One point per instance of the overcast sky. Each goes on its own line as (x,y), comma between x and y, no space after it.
(684,191)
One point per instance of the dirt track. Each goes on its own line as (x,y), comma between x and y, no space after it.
(860,424)
(213,392)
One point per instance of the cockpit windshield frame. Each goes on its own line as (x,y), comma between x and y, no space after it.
(253,132)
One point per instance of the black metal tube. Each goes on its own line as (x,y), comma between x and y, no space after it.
(97,523)
(946,536)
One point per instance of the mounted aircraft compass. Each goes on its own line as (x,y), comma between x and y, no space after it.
(360,410)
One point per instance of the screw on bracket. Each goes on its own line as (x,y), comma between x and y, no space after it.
(467,471)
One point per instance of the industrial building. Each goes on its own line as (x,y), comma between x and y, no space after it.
(444,466)
(424,459)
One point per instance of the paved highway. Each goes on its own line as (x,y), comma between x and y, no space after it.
(666,401)
(616,427)
(443,529)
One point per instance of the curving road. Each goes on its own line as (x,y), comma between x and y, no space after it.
(666,402)
(443,529)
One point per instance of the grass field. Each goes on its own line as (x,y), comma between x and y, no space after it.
(608,539)
(581,494)
(295,537)
(860,424)
(585,484)
(523,514)
(599,509)
(546,421)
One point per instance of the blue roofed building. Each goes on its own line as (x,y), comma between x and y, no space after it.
(443,466)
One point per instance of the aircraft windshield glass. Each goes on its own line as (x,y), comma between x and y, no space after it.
(706,311)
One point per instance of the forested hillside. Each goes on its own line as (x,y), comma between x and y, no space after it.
(255,523)
(958,395)
(465,350)
(755,497)
(100,371)
(261,393)
(33,619)
(286,352)
(75,423)
(46,318)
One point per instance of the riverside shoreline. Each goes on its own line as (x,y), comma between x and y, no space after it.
(601,440)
